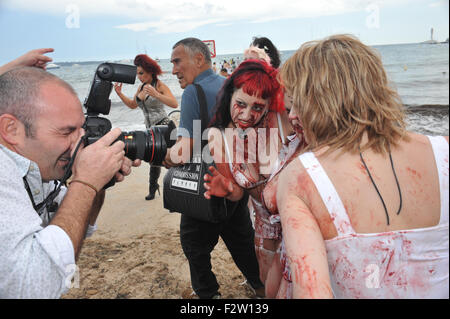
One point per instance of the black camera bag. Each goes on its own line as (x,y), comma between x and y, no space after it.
(183,185)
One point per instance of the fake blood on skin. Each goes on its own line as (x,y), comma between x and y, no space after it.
(237,114)
(394,247)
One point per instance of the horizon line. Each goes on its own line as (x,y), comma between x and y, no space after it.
(155,57)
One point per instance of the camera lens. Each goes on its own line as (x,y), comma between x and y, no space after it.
(149,146)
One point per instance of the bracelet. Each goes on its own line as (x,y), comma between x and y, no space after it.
(87,184)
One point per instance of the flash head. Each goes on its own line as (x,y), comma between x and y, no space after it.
(98,102)
(114,72)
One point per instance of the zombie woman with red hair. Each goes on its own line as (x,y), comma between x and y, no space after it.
(250,139)
(150,97)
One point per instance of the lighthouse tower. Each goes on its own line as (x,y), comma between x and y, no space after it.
(432,40)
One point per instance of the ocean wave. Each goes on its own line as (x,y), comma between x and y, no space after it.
(431,81)
(436,64)
(435,110)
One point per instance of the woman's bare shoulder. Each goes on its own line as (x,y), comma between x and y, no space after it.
(416,137)
(417,140)
(291,173)
(160,86)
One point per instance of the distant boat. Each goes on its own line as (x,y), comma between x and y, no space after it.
(52,66)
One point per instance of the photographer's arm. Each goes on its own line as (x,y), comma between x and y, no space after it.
(96,206)
(131,103)
(74,213)
(94,166)
(125,170)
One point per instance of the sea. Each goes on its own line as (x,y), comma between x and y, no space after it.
(420,73)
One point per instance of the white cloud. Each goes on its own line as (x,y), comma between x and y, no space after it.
(185,15)
(439,3)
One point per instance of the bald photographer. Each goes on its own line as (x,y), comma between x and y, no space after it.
(42,222)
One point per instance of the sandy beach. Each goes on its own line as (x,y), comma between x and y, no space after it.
(136,251)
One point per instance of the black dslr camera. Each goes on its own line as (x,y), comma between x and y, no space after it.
(150,146)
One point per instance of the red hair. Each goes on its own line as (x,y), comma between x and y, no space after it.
(257,78)
(148,64)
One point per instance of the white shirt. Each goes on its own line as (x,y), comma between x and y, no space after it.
(37,260)
(409,263)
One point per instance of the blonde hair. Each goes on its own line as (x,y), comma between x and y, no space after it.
(341,91)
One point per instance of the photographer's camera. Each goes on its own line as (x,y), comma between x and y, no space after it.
(150,146)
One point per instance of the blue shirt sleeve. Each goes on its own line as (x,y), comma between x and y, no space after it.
(190,111)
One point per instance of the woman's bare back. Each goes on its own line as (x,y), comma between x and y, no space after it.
(419,186)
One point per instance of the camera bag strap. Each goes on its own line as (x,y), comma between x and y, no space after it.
(191,202)
(203,110)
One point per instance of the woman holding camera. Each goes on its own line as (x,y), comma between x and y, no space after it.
(150,97)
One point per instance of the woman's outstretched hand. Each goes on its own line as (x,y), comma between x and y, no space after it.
(216,184)
(118,87)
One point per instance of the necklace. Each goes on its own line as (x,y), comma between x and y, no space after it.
(376,188)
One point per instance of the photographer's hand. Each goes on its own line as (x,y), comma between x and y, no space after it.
(125,170)
(97,163)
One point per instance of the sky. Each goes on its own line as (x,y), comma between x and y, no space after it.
(96,30)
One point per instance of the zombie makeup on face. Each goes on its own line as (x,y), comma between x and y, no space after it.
(295,121)
(246,110)
(288,102)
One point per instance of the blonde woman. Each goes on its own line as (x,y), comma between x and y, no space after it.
(365,211)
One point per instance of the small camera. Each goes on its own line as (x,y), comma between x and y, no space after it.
(150,146)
